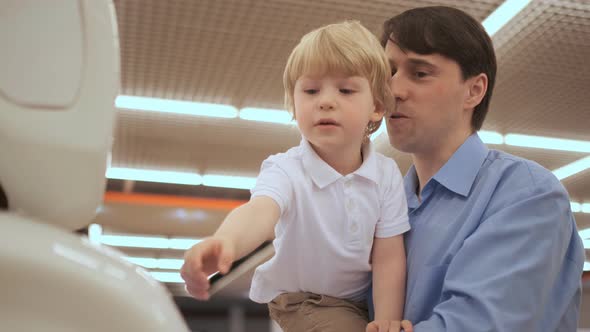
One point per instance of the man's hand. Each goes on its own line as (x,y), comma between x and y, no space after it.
(202,260)
(389,326)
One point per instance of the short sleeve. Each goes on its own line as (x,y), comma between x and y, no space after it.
(274,182)
(393,219)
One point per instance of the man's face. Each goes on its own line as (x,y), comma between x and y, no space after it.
(430,92)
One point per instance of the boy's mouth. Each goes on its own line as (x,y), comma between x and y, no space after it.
(327,122)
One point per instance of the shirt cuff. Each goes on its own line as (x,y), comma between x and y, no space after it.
(394,227)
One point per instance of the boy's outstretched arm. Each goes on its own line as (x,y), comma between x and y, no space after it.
(250,225)
(242,231)
(389,279)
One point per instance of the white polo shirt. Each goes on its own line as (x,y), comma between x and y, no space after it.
(325,233)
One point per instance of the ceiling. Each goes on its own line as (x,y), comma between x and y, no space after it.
(233,52)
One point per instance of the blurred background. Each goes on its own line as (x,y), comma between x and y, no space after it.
(201,106)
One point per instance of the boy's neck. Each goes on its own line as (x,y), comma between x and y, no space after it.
(344,160)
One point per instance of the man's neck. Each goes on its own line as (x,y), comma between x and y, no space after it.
(430,161)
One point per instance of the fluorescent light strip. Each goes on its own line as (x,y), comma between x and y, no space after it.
(503,14)
(547,143)
(156,263)
(223,181)
(95,235)
(572,168)
(210,180)
(170,277)
(585,235)
(176,106)
(580,208)
(122,173)
(155,242)
(135,241)
(586,266)
(576,207)
(491,137)
(267,115)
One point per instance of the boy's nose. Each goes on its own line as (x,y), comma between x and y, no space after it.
(326,106)
(327,102)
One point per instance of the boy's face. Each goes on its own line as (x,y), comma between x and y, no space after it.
(333,111)
(430,101)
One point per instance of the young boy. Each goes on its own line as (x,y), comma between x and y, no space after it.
(335,208)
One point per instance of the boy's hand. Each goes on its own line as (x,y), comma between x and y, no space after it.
(389,326)
(202,260)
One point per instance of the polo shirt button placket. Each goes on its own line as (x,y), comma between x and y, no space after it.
(347,183)
(349,206)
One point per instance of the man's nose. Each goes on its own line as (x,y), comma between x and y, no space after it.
(399,87)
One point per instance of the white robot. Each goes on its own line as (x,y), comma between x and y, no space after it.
(59,75)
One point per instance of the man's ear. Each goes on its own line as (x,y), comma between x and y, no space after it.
(476,90)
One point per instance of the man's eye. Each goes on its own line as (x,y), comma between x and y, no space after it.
(310,91)
(420,74)
(346,91)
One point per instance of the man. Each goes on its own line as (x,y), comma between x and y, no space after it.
(493,245)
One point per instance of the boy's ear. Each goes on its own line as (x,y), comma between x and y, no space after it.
(476,90)
(379,112)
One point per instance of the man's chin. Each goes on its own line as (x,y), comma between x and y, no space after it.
(399,144)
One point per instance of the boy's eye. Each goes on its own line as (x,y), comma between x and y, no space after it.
(393,71)
(310,91)
(346,91)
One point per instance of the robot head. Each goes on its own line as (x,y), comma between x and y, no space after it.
(60,77)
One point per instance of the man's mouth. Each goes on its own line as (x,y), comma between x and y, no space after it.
(397,116)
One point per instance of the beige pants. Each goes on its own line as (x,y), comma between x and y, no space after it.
(307,312)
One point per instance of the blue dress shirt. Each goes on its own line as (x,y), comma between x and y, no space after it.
(493,247)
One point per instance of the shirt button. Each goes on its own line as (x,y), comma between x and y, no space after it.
(354,228)
(348,183)
(349,205)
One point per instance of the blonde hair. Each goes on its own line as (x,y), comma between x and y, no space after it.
(346,48)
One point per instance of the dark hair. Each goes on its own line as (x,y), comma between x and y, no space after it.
(3,200)
(452,33)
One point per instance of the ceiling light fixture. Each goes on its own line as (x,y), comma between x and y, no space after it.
(503,14)
(548,143)
(175,106)
(96,235)
(572,168)
(267,115)
(233,182)
(134,174)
